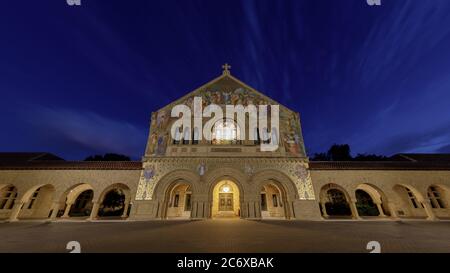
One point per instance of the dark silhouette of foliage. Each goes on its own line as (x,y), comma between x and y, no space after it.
(365,204)
(108,157)
(341,152)
(320,157)
(370,157)
(114,199)
(338,209)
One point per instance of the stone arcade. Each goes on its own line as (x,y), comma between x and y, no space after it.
(223,177)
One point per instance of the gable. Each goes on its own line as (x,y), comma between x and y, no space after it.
(226,89)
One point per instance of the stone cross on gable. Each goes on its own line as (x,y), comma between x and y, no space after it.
(226,69)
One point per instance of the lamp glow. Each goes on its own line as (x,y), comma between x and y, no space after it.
(226,189)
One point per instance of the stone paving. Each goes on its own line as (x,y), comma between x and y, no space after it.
(226,235)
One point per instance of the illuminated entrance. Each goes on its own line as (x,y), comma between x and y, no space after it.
(226,200)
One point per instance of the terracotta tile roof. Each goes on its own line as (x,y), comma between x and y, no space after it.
(379,165)
(422,157)
(72,165)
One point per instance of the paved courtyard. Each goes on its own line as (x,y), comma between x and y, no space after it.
(224,235)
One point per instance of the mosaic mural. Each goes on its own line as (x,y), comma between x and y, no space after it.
(222,93)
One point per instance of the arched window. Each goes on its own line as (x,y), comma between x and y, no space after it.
(176,200)
(33,198)
(186,135)
(177,136)
(263,201)
(225,188)
(225,132)
(275,200)
(195,136)
(266,138)
(8,198)
(187,202)
(412,198)
(435,197)
(274,136)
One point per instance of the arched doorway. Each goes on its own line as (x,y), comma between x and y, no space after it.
(334,202)
(8,195)
(114,201)
(226,200)
(365,204)
(273,200)
(179,201)
(76,201)
(371,201)
(82,206)
(37,202)
(409,202)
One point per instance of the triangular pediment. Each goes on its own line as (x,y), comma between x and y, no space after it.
(226,89)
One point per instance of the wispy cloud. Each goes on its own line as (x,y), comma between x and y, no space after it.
(88,130)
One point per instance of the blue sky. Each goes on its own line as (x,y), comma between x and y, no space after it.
(76,81)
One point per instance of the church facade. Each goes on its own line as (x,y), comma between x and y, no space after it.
(182,176)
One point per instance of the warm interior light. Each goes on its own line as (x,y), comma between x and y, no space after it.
(225,188)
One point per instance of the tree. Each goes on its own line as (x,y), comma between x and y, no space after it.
(320,157)
(114,199)
(113,204)
(339,152)
(108,157)
(370,157)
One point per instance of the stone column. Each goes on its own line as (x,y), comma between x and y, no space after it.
(380,210)
(162,210)
(258,209)
(55,209)
(249,207)
(193,209)
(197,209)
(355,214)
(392,211)
(67,210)
(429,210)
(208,208)
(15,211)
(324,210)
(243,208)
(94,211)
(288,210)
(201,207)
